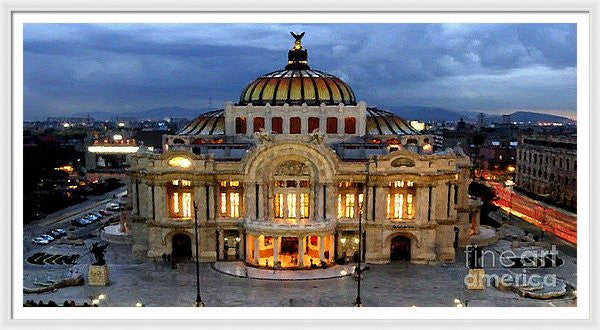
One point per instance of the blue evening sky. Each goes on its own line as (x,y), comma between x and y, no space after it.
(494,68)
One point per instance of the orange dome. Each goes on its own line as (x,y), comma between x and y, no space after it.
(297,84)
(296,87)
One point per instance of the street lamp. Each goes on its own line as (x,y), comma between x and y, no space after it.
(358,302)
(199,302)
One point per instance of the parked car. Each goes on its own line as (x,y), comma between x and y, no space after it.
(80,222)
(47,237)
(60,230)
(55,233)
(98,214)
(113,207)
(40,241)
(104,212)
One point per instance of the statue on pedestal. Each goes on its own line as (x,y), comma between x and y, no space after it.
(98,252)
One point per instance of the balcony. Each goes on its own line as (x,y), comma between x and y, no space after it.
(290,225)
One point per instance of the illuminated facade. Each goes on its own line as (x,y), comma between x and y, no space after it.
(281,177)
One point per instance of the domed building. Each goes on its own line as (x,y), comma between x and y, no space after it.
(283,177)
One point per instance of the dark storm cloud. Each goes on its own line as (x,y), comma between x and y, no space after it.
(127,67)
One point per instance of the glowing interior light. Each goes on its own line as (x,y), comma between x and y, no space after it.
(187,205)
(180,161)
(175,202)
(113,149)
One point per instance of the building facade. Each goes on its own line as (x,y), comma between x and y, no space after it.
(283,177)
(547,166)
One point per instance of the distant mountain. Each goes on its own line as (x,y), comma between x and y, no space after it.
(440,114)
(155,113)
(527,116)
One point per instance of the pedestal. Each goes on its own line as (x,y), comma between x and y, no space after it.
(98,275)
(475,279)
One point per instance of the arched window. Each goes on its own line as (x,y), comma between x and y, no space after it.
(295,125)
(350,125)
(332,125)
(180,195)
(178,141)
(292,195)
(258,124)
(313,124)
(277,125)
(240,125)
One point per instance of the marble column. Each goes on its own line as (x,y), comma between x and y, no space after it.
(301,248)
(247,256)
(321,248)
(221,253)
(275,250)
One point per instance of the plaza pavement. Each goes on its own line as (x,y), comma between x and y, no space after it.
(395,285)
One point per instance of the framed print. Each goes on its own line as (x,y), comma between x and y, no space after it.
(235,163)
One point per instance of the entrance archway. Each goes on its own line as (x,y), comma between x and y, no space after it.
(400,248)
(181,247)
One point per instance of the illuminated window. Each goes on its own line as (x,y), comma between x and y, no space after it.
(303,206)
(400,201)
(291,199)
(180,161)
(291,205)
(180,197)
(230,199)
(278,205)
(348,195)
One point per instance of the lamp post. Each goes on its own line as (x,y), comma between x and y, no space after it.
(358,302)
(199,302)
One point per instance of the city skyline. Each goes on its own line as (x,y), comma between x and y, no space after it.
(492,68)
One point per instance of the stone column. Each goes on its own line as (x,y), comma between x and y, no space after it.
(331,248)
(381,203)
(211,201)
(340,124)
(331,201)
(221,253)
(286,124)
(275,250)
(247,249)
(321,247)
(200,199)
(304,124)
(161,205)
(256,251)
(301,240)
(268,124)
(421,202)
(249,125)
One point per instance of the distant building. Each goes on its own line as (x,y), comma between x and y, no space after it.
(547,166)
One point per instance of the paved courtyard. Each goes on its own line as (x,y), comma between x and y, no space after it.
(396,285)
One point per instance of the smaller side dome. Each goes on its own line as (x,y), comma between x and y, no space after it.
(209,123)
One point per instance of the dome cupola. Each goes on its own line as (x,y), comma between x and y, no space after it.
(297,84)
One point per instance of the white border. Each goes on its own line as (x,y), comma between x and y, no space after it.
(583,78)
